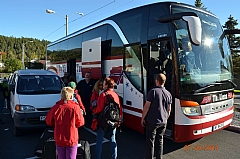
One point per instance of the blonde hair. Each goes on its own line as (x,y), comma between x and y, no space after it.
(96,88)
(67,93)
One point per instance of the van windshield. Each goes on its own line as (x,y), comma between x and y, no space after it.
(39,84)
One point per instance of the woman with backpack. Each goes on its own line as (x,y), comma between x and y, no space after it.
(108,85)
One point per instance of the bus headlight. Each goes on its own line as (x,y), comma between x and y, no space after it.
(191,111)
(24,108)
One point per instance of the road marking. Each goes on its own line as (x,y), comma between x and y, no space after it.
(94,133)
(33,157)
(92,144)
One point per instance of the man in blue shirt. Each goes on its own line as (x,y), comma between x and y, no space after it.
(155,114)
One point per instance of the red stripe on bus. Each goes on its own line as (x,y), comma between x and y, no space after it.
(183,133)
(60,62)
(113,57)
(132,122)
(91,63)
(95,72)
(132,109)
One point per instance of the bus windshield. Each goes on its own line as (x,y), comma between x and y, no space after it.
(207,63)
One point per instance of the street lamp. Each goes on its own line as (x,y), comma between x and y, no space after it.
(23,46)
(66,17)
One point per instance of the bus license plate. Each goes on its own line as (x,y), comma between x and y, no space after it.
(42,118)
(218,126)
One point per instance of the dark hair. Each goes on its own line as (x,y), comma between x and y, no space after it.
(88,73)
(161,78)
(109,82)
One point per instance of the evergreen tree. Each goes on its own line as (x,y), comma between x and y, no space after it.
(12,47)
(199,4)
(234,43)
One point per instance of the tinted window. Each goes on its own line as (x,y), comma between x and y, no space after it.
(133,65)
(62,52)
(35,84)
(131,24)
(53,52)
(95,33)
(75,47)
(115,41)
(157,29)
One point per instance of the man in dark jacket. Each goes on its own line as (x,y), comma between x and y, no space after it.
(85,88)
(155,114)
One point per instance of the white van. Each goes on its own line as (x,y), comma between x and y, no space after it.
(32,94)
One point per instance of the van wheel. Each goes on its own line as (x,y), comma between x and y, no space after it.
(17,131)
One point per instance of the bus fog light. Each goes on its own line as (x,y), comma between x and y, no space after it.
(191,111)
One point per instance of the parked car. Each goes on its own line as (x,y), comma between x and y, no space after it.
(32,94)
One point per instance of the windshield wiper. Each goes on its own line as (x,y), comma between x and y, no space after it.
(228,80)
(207,86)
(215,84)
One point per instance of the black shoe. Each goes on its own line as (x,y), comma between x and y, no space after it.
(2,122)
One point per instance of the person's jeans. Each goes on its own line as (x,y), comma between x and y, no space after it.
(154,134)
(67,152)
(100,134)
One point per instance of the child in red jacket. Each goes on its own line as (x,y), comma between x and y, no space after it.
(66,117)
(77,96)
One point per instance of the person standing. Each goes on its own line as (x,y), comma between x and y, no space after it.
(3,96)
(65,79)
(97,90)
(108,85)
(66,117)
(154,117)
(77,96)
(85,88)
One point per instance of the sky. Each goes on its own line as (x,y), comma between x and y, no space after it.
(28,18)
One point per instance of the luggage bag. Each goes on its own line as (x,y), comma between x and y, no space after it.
(46,135)
(83,151)
(49,150)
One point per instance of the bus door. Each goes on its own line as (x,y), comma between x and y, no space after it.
(160,61)
(133,86)
(71,67)
(91,58)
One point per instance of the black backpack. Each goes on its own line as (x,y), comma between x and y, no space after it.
(110,116)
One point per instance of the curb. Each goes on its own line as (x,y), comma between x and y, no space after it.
(233,128)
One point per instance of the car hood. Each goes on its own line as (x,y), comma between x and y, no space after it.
(39,101)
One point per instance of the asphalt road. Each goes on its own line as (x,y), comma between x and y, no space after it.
(131,145)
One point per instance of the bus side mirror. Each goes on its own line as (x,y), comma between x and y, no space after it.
(193,24)
(194,28)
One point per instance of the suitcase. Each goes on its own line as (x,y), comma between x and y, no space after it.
(83,151)
(46,135)
(49,150)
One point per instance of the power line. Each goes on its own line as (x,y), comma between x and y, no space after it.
(104,12)
(54,31)
(80,17)
(93,11)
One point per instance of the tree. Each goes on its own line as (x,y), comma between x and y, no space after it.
(12,64)
(199,4)
(234,43)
